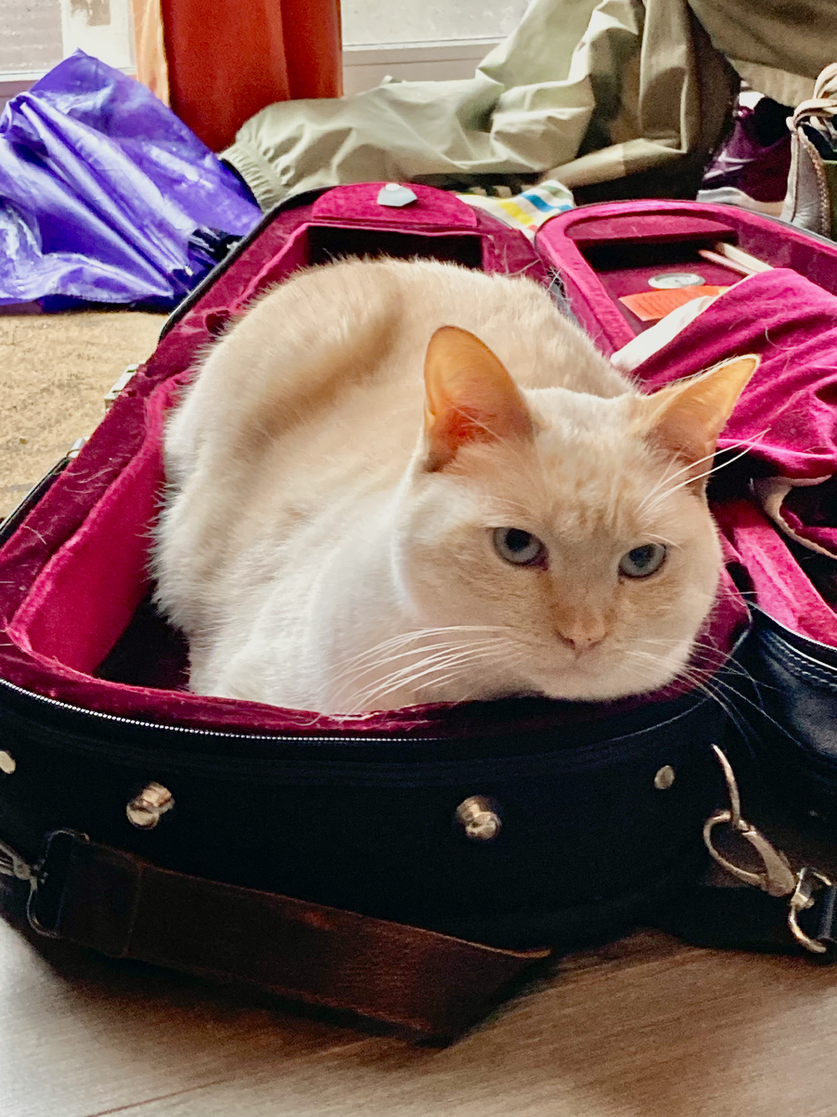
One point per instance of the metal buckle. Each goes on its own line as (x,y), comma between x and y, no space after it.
(808,882)
(13,865)
(776,878)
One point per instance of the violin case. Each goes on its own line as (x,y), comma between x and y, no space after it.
(403,865)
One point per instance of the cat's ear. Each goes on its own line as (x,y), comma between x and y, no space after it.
(469,397)
(685,418)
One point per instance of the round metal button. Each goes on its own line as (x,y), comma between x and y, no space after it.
(146,809)
(664,778)
(479,818)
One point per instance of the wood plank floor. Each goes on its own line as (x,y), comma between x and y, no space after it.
(645,1027)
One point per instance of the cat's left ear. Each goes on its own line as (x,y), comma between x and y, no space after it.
(685,419)
(470,397)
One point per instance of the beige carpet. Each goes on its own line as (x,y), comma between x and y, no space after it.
(54,372)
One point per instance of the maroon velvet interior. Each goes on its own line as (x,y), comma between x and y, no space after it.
(626,251)
(611,250)
(74,584)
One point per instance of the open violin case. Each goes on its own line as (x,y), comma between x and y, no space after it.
(404,865)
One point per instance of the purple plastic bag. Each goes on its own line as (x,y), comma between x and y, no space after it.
(106,196)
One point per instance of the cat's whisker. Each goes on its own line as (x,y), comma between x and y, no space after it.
(451,676)
(445,653)
(704,683)
(730,708)
(691,480)
(748,443)
(445,659)
(654,538)
(407,677)
(420,633)
(715,687)
(513,507)
(388,650)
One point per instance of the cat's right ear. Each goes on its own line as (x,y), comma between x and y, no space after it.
(686,417)
(469,397)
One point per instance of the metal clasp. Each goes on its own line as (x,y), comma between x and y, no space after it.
(777,878)
(808,882)
(35,875)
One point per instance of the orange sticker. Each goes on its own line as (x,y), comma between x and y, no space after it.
(649,306)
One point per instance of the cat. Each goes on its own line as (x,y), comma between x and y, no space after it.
(543,531)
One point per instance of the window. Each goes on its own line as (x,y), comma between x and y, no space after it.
(373,22)
(408,39)
(36,34)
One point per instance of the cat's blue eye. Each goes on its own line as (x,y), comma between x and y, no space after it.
(642,561)
(518,547)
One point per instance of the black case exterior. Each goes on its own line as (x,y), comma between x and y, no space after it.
(797,719)
(589,830)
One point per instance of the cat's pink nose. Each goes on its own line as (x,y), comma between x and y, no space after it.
(582,639)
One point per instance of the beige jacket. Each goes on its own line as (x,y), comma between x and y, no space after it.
(584,92)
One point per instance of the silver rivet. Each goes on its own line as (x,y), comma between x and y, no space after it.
(7,762)
(664,778)
(479,819)
(145,809)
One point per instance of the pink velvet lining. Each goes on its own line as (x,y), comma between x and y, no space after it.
(72,577)
(613,249)
(780,588)
(87,593)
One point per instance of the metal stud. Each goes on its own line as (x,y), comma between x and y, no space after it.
(145,810)
(7,762)
(664,778)
(479,819)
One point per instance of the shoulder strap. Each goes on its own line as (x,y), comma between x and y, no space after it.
(427,983)
(124,906)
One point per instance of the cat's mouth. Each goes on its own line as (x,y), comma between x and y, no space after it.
(603,673)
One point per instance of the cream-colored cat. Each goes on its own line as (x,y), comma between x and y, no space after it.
(543,530)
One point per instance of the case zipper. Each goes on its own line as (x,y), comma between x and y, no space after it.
(217,733)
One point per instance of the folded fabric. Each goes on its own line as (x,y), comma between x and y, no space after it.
(786,420)
(106,196)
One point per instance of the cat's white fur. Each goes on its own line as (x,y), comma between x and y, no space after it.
(316,559)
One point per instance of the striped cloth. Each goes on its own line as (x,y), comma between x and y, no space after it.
(526,211)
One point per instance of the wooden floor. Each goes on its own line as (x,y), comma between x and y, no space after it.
(644,1028)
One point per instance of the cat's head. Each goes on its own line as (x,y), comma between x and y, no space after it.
(561,540)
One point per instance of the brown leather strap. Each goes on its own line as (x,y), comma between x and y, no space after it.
(124,906)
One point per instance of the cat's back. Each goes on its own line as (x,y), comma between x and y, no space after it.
(315,400)
(334,338)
